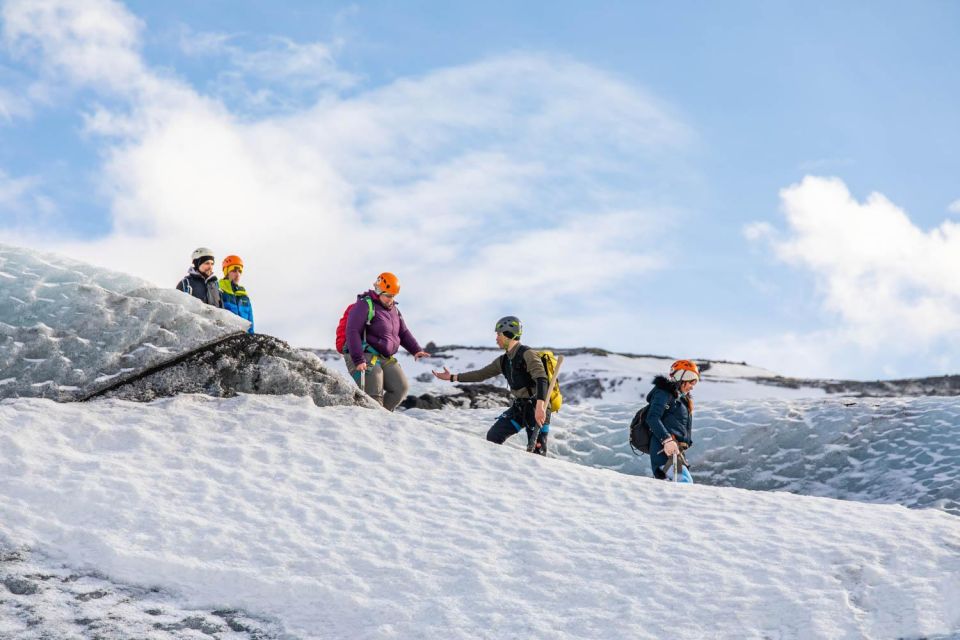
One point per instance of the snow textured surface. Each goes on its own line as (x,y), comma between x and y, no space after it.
(67,327)
(902,451)
(341,522)
(42,601)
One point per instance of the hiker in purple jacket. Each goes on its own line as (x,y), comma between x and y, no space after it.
(372,342)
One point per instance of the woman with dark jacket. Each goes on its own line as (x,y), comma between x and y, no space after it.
(375,332)
(670,416)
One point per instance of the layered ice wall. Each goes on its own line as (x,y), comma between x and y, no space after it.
(902,450)
(892,450)
(67,327)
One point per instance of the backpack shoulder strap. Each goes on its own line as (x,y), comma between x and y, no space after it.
(370,311)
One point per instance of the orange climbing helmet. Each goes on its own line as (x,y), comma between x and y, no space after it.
(232,262)
(684,370)
(387,283)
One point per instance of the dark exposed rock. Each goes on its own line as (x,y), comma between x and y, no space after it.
(471,396)
(242,363)
(933,386)
(577,391)
(20,586)
(195,623)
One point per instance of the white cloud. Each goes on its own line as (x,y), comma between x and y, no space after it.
(480,185)
(268,72)
(887,282)
(954,207)
(94,41)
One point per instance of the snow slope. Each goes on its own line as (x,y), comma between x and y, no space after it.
(342,522)
(903,450)
(67,327)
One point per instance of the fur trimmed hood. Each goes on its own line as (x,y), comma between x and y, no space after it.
(664,384)
(673,388)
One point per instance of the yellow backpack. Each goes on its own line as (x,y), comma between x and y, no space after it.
(551,363)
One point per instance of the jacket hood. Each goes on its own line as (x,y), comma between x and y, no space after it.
(664,384)
(193,272)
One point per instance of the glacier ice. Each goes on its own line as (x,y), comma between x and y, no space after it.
(69,331)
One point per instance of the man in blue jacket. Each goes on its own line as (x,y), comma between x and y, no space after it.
(234,296)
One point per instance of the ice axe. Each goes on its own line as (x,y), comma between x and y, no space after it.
(535,434)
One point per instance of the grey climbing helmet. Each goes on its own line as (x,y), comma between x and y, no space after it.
(201,255)
(509,326)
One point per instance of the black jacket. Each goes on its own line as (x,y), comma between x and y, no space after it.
(202,288)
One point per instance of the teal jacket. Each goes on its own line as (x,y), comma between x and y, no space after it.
(236,300)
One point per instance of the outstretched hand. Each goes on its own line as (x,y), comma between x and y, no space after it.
(443,375)
(420,354)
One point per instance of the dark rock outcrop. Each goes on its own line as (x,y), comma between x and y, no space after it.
(470,396)
(241,363)
(576,391)
(933,386)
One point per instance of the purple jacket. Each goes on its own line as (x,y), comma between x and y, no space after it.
(386,333)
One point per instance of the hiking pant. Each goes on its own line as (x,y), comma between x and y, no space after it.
(520,417)
(385,381)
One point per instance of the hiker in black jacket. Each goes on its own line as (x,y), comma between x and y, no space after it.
(524,371)
(200,281)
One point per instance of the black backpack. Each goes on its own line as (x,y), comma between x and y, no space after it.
(640,435)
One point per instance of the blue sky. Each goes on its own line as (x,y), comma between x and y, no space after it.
(750,180)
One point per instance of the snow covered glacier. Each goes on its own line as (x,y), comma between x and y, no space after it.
(341,522)
(892,450)
(66,326)
(208,512)
(69,331)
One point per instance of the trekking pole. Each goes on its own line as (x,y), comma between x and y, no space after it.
(532,442)
(363,381)
(676,467)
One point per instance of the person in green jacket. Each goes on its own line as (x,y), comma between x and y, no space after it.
(233,294)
